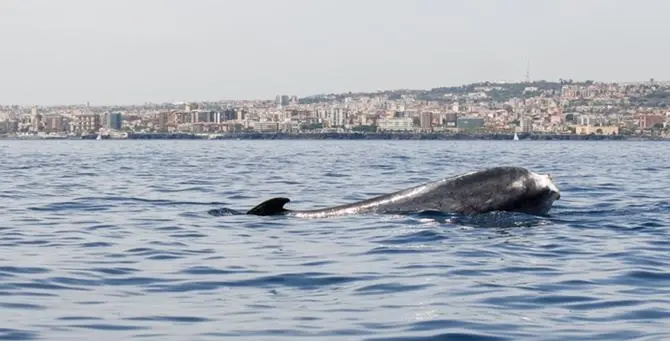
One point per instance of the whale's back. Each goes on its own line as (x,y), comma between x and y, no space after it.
(493,189)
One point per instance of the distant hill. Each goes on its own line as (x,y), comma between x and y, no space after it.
(497,91)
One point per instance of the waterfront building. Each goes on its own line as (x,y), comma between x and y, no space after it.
(114,121)
(467,123)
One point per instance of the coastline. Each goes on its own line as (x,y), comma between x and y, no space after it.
(348,136)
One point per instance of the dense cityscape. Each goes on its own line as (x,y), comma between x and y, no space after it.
(565,107)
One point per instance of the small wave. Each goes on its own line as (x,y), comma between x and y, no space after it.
(17,334)
(176,319)
(93,204)
(486,220)
(205,270)
(456,336)
(219,212)
(107,327)
(422,236)
(23,270)
(73,206)
(303,281)
(27,306)
(398,250)
(390,288)
(187,189)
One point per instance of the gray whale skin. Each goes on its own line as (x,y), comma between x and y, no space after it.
(511,189)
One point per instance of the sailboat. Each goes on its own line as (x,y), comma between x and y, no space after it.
(516,137)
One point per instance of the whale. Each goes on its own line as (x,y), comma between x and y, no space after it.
(503,188)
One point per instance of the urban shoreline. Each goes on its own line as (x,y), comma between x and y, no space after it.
(345,136)
(538,110)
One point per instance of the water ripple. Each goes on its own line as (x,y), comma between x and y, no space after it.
(145,240)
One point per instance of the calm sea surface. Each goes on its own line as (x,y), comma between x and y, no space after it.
(111,240)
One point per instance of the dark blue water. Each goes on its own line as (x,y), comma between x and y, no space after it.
(111,240)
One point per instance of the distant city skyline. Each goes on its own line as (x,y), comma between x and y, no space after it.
(130,52)
(581,108)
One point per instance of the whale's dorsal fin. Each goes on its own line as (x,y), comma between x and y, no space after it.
(272,206)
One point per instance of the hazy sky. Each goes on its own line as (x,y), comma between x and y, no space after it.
(132,51)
